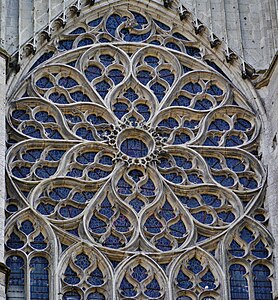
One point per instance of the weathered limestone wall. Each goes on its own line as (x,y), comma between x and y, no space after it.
(249,26)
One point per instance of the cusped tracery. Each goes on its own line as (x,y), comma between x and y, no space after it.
(141,157)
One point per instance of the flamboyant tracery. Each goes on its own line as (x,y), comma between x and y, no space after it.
(133,171)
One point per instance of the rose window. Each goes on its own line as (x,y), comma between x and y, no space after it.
(141,162)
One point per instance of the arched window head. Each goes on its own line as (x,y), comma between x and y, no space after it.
(133,146)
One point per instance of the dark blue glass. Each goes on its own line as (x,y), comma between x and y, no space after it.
(12,208)
(194,265)
(203,217)
(208,281)
(183,281)
(71,296)
(178,229)
(32,155)
(219,124)
(85,133)
(96,278)
(106,160)
(73,118)
(113,242)
(152,61)
(153,289)
(136,175)
(113,22)
(173,46)
(16,286)
(116,75)
(173,177)
(249,183)
(162,25)
(27,227)
(82,261)
(21,172)
(139,273)
(144,76)
(39,281)
(67,82)
(159,91)
(137,204)
(189,202)
(242,124)
(20,114)
(106,59)
(235,164)
(32,131)
(170,123)
(148,189)
(238,282)
(80,97)
(92,72)
(224,180)
(155,42)
(153,225)
(203,104)
(44,83)
(132,37)
(53,134)
(70,211)
(54,155)
(86,158)
(143,110)
(213,162)
(123,187)
(102,88)
(39,242)
(73,231)
(106,208)
(181,101)
(167,211)
(260,250)
(127,289)
(214,90)
(163,244)
(71,276)
(215,67)
(130,95)
(95,22)
(122,223)
(247,235)
(194,178)
(44,117)
(134,148)
(212,141)
(65,45)
(59,193)
(211,200)
(96,296)
(85,42)
(97,174)
(179,36)
(140,19)
(192,87)
(262,284)
(120,109)
(45,172)
(82,197)
(58,98)
(78,30)
(233,141)
(14,242)
(235,249)
(97,225)
(42,59)
(45,208)
(193,51)
(167,75)
(181,138)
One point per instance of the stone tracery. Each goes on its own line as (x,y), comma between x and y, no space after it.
(131,148)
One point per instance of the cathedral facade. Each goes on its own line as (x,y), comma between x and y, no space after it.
(139,145)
